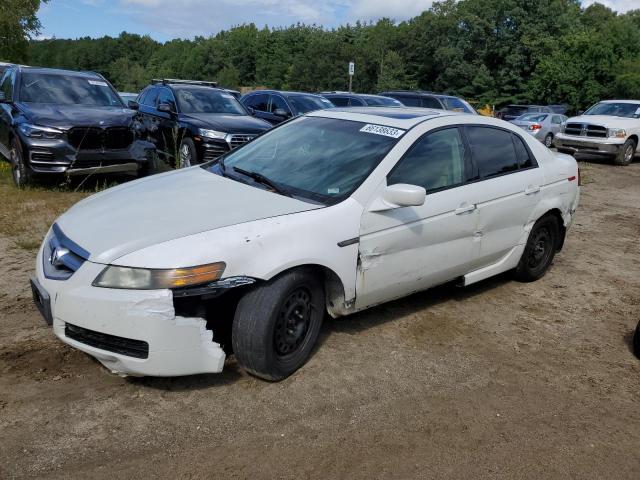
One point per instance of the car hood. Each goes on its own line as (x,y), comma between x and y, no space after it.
(165,207)
(64,116)
(606,121)
(229,123)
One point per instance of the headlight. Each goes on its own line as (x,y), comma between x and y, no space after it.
(211,133)
(156,279)
(617,132)
(563,126)
(36,131)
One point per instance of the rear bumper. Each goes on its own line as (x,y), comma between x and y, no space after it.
(131,332)
(569,144)
(57,156)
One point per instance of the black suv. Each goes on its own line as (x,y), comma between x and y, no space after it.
(346,99)
(54,121)
(424,99)
(194,121)
(276,106)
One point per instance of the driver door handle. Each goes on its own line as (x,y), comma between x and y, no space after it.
(532,189)
(465,209)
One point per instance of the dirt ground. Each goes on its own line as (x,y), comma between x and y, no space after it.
(499,380)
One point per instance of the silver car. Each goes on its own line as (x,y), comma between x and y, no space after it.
(543,126)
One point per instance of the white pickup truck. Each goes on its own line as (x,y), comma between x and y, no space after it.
(610,128)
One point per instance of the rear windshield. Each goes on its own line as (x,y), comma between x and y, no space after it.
(303,103)
(532,117)
(60,89)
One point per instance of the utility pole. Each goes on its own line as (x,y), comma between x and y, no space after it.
(352,70)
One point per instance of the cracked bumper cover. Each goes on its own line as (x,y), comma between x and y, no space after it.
(177,345)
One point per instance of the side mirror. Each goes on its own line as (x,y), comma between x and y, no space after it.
(251,111)
(281,112)
(166,108)
(398,196)
(133,105)
(580,112)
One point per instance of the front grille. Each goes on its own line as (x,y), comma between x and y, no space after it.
(585,130)
(61,257)
(110,343)
(238,139)
(95,138)
(213,151)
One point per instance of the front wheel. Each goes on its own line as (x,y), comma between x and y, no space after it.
(187,154)
(626,153)
(19,170)
(276,324)
(540,249)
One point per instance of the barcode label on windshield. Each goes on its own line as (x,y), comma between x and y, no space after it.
(98,83)
(381,130)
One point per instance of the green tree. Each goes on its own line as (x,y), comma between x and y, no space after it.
(18,25)
(393,75)
(229,77)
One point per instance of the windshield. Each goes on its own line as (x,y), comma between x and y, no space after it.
(308,103)
(532,117)
(457,105)
(382,102)
(67,90)
(320,159)
(207,100)
(629,110)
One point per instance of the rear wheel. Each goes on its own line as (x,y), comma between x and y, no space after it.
(187,154)
(548,140)
(626,153)
(276,324)
(540,249)
(636,341)
(19,171)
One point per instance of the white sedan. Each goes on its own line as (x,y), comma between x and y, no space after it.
(335,211)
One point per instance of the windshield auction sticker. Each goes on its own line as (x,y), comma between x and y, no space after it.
(98,83)
(381,130)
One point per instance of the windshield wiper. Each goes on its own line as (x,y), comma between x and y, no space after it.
(258,177)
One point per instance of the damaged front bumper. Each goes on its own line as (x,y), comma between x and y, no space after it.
(131,332)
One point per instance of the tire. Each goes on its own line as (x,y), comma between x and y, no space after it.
(187,155)
(548,140)
(636,341)
(625,156)
(541,247)
(277,323)
(19,170)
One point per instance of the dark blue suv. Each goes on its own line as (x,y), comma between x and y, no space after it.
(276,106)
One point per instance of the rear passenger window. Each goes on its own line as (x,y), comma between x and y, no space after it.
(259,102)
(434,162)
(431,102)
(492,150)
(411,101)
(340,101)
(522,154)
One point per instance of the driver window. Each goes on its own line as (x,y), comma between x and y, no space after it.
(434,162)
(166,97)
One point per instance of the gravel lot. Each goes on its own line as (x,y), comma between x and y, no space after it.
(497,380)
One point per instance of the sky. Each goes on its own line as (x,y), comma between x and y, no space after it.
(167,19)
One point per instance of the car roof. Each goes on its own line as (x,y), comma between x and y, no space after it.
(399,117)
(286,92)
(619,101)
(418,93)
(60,71)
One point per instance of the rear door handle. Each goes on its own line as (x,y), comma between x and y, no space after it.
(465,209)
(531,189)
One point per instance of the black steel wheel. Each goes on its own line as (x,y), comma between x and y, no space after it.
(541,247)
(276,324)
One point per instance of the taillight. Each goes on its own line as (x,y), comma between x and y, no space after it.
(535,126)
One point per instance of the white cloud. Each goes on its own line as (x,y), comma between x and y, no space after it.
(620,6)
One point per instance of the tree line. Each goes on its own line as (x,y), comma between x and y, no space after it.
(490,51)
